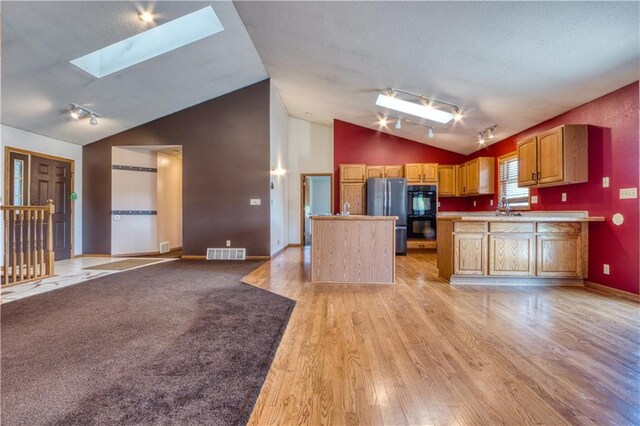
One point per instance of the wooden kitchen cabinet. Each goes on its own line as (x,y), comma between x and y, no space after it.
(353,172)
(375,172)
(384,172)
(511,249)
(559,250)
(527,161)
(447,180)
(355,195)
(556,157)
(480,173)
(421,173)
(393,172)
(462,179)
(470,253)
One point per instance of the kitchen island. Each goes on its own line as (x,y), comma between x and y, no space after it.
(506,250)
(353,249)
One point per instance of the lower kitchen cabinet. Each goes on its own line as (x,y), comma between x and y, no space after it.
(355,195)
(470,254)
(511,254)
(559,255)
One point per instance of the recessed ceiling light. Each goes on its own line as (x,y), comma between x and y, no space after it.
(146,16)
(412,108)
(151,43)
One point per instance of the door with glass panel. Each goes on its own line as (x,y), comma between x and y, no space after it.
(32,181)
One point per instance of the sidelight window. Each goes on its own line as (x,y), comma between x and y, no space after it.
(18,182)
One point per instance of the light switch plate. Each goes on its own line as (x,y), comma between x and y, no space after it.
(626,193)
(474,204)
(438,204)
(605,269)
(534,199)
(228,243)
(605,182)
(491,202)
(255,202)
(564,196)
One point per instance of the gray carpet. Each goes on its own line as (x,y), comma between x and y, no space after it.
(181,342)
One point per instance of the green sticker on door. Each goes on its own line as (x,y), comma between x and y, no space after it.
(73,196)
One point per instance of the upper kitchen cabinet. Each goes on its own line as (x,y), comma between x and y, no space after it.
(480,176)
(462,179)
(421,173)
(556,157)
(353,172)
(384,172)
(447,180)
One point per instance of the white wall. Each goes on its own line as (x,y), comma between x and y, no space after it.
(170,200)
(310,151)
(279,135)
(17,138)
(134,190)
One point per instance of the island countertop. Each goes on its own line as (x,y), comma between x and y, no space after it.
(353,217)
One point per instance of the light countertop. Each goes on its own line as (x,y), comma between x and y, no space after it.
(523,218)
(354,217)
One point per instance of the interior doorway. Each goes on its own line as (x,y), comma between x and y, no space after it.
(32,178)
(316,199)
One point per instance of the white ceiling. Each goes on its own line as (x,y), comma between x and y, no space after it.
(513,64)
(38,82)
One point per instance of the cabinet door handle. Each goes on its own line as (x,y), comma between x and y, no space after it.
(538,175)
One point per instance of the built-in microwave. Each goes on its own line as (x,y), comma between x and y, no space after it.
(421,200)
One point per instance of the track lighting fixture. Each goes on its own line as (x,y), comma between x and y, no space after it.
(383,121)
(78,112)
(490,132)
(146,16)
(458,115)
(430,132)
(398,123)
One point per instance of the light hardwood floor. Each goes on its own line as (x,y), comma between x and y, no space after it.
(423,352)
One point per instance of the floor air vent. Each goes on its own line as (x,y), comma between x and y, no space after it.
(226,253)
(165,247)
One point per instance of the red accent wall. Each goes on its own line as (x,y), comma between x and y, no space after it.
(613,151)
(356,144)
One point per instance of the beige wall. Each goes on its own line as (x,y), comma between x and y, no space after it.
(278,138)
(170,200)
(310,151)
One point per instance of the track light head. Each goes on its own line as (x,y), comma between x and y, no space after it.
(480,137)
(93,120)
(492,132)
(383,121)
(430,132)
(458,115)
(75,112)
(398,123)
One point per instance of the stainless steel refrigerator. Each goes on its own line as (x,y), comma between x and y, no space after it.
(388,197)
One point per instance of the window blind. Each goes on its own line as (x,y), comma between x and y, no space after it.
(508,183)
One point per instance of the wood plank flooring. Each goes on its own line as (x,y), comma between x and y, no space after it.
(424,352)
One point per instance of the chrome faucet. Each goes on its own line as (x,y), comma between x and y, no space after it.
(504,203)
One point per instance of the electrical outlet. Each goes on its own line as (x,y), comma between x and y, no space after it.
(474,204)
(564,196)
(491,202)
(534,199)
(438,204)
(605,268)
(605,182)
(626,193)
(228,243)
(255,201)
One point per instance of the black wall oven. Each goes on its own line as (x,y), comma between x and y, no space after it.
(421,211)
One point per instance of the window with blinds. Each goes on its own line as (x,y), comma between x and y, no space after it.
(508,183)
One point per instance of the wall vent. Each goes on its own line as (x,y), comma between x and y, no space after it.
(226,253)
(165,247)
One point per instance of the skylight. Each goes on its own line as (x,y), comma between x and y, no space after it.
(418,110)
(151,43)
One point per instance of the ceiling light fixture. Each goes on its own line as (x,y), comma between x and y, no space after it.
(458,115)
(399,120)
(78,112)
(146,16)
(425,109)
(492,132)
(430,133)
(398,123)
(480,137)
(383,121)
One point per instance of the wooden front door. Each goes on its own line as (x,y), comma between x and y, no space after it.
(51,180)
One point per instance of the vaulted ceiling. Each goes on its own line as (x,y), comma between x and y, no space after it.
(513,64)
